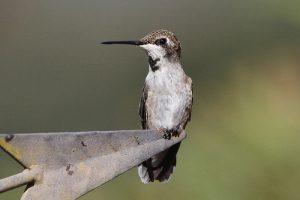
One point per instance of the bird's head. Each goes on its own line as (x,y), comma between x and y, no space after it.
(160,44)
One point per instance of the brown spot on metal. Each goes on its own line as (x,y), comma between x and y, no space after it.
(137,139)
(83,144)
(113,147)
(9,137)
(68,169)
(70,173)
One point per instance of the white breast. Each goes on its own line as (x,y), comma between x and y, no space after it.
(167,97)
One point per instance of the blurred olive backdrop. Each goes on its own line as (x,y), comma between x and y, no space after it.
(243,56)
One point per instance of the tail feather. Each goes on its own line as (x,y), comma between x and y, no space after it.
(142,171)
(159,167)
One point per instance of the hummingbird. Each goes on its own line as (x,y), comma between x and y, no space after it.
(166,101)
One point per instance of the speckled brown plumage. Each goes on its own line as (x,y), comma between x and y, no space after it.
(173,51)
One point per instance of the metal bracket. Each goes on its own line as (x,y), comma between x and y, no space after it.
(67,165)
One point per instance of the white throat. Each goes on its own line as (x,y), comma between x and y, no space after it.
(166,74)
(158,62)
(156,52)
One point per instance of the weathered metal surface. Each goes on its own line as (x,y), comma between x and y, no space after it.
(67,165)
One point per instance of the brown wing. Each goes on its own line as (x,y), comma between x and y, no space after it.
(188,109)
(142,107)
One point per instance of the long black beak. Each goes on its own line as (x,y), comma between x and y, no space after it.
(132,42)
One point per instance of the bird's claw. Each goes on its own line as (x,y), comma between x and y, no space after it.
(175,133)
(169,133)
(166,133)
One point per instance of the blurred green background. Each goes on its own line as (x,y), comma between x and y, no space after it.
(243,56)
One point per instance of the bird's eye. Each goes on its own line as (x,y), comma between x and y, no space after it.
(161,41)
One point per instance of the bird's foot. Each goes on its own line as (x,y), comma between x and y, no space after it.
(166,133)
(176,131)
(169,133)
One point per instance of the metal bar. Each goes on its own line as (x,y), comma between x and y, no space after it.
(74,163)
(27,176)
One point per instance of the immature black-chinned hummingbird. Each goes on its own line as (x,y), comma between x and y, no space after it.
(166,101)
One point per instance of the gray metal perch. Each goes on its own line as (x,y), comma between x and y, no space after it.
(65,166)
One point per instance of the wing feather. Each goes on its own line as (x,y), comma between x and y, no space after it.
(188,109)
(142,107)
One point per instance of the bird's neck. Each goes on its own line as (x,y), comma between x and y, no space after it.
(168,75)
(159,64)
(164,73)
